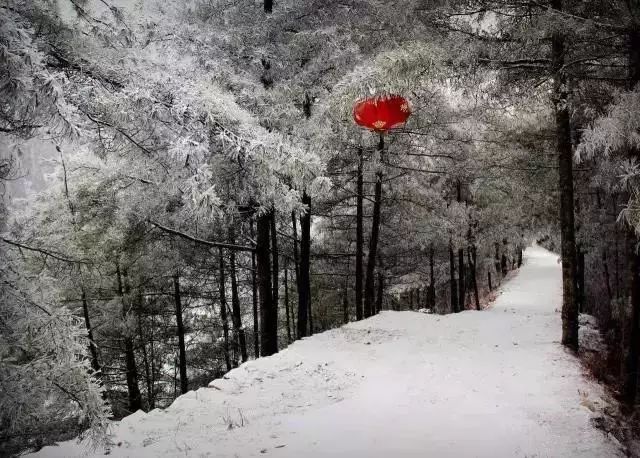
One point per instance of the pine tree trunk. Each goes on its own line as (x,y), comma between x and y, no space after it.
(182,355)
(474,278)
(304,287)
(580,283)
(222,291)
(254,299)
(268,313)
(286,302)
(452,279)
(146,364)
(496,259)
(268,6)
(275,255)
(369,287)
(431,295)
(135,399)
(359,236)
(95,364)
(565,165)
(461,281)
(489,280)
(345,304)
(380,294)
(236,313)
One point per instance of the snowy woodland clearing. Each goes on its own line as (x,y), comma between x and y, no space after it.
(199,189)
(494,383)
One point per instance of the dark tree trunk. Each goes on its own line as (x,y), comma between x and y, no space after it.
(359,236)
(496,259)
(411,299)
(369,287)
(268,313)
(135,400)
(286,302)
(519,257)
(254,298)
(236,313)
(304,287)
(95,364)
(489,280)
(268,6)
(147,369)
(182,354)
(222,291)
(474,277)
(452,279)
(461,281)
(380,294)
(345,303)
(431,294)
(275,260)
(580,283)
(607,277)
(565,165)
(504,265)
(630,372)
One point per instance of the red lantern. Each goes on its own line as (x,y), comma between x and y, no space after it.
(382,113)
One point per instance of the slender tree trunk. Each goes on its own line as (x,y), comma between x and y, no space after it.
(452,279)
(380,294)
(286,302)
(519,257)
(145,363)
(152,366)
(474,277)
(565,165)
(304,287)
(489,280)
(431,295)
(268,313)
(236,313)
(630,372)
(135,399)
(275,255)
(184,383)
(580,283)
(607,277)
(369,287)
(359,236)
(461,281)
(95,364)
(268,6)
(222,291)
(616,238)
(496,259)
(254,299)
(345,303)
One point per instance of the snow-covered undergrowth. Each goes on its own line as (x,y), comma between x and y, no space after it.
(494,383)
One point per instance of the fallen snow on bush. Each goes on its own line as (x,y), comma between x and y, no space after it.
(494,383)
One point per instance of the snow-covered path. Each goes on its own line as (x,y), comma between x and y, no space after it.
(494,383)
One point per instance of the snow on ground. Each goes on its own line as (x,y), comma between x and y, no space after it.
(494,383)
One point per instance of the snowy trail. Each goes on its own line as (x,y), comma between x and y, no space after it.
(494,383)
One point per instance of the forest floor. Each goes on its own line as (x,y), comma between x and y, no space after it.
(493,383)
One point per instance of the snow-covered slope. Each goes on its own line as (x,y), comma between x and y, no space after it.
(494,383)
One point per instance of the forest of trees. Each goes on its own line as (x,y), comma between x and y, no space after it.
(211,200)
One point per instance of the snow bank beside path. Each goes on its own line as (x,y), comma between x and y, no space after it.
(494,383)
